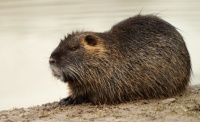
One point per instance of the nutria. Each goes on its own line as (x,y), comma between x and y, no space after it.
(141,57)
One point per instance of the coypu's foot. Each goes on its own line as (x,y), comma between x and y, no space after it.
(70,101)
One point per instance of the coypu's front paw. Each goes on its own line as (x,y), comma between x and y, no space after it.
(70,101)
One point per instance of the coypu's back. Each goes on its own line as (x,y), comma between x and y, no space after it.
(140,57)
(160,60)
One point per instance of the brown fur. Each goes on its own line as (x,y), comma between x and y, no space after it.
(141,57)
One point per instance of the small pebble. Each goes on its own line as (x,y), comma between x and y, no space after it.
(3,117)
(168,101)
(195,91)
(21,115)
(194,107)
(145,102)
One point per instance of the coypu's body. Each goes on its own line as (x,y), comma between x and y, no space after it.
(141,57)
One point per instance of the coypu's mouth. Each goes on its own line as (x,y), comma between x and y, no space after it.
(58,73)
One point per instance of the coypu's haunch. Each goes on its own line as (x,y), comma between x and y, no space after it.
(141,57)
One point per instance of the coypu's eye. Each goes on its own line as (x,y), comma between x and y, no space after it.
(90,40)
(74,48)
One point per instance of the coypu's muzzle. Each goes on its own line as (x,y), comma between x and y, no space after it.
(59,73)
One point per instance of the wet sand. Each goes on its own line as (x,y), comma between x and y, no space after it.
(183,108)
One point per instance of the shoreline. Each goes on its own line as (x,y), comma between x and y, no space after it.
(180,108)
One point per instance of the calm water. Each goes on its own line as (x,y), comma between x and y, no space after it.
(31,29)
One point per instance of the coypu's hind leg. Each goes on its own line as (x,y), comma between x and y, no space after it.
(71,101)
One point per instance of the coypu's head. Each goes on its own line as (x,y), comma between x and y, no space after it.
(75,55)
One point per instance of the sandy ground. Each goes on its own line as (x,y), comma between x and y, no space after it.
(183,108)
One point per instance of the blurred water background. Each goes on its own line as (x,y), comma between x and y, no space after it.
(31,29)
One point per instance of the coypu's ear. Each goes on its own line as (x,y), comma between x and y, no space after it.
(90,40)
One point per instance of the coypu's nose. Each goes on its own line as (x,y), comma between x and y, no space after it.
(52,61)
